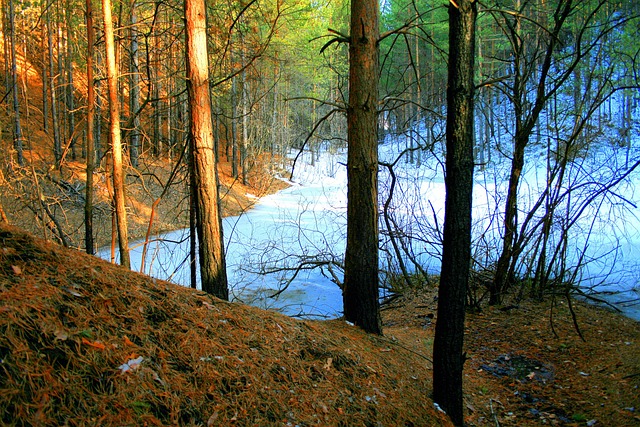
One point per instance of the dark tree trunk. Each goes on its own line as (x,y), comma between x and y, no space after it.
(17,128)
(203,165)
(57,145)
(525,122)
(91,160)
(360,293)
(448,358)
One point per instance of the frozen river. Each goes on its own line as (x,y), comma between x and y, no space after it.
(305,224)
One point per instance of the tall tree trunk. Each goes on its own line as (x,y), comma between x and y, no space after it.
(234,126)
(69,92)
(115,137)
(98,123)
(448,358)
(57,146)
(134,91)
(213,272)
(17,127)
(45,76)
(91,160)
(245,116)
(360,293)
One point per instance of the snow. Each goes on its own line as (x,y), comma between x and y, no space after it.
(305,224)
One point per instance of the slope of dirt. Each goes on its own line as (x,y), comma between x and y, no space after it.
(85,342)
(50,203)
(520,373)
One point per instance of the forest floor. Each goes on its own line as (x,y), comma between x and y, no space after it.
(86,342)
(527,365)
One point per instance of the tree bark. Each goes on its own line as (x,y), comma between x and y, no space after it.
(91,161)
(17,129)
(134,91)
(448,358)
(360,293)
(57,146)
(115,137)
(213,271)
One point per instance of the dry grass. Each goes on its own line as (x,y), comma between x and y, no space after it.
(85,342)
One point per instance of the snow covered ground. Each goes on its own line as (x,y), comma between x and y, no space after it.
(305,225)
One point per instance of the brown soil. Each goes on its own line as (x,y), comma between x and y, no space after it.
(86,342)
(520,373)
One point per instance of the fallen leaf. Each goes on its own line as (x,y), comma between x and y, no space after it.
(16,270)
(94,344)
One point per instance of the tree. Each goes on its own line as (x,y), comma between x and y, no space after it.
(91,160)
(551,48)
(213,271)
(134,91)
(360,292)
(115,137)
(17,128)
(448,358)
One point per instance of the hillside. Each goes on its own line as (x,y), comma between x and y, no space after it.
(88,343)
(85,342)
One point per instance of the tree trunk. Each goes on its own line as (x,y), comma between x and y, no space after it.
(448,358)
(57,146)
(524,124)
(115,137)
(203,165)
(91,160)
(360,293)
(69,91)
(17,129)
(134,91)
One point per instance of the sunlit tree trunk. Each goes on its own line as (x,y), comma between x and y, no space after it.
(213,272)
(91,161)
(360,293)
(448,358)
(115,137)
(134,91)
(69,92)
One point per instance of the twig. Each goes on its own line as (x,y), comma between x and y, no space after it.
(495,416)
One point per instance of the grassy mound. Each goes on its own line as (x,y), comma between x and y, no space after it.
(85,342)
